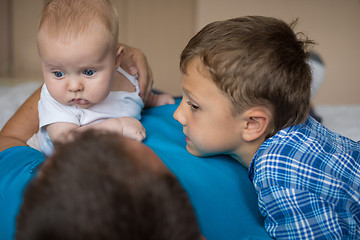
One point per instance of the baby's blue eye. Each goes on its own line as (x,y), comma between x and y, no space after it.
(59,74)
(89,72)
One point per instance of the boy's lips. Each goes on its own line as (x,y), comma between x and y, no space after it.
(79,101)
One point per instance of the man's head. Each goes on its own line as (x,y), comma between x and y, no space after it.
(105,186)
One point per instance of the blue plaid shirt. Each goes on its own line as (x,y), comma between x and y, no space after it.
(308,183)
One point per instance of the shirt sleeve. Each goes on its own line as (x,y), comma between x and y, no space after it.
(17,167)
(296,214)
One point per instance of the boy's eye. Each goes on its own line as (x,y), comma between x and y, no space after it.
(193,106)
(58,74)
(89,72)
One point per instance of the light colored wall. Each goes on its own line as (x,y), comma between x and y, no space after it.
(161,28)
(26,16)
(333,24)
(5,29)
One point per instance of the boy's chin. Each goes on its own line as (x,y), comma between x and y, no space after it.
(196,152)
(192,150)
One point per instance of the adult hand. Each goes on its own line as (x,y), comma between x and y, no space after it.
(134,61)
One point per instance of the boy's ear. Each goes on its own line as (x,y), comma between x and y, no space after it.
(118,55)
(256,123)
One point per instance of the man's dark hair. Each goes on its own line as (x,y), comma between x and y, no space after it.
(94,188)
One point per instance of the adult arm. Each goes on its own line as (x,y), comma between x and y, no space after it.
(22,125)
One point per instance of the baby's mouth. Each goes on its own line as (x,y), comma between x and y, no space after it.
(79,101)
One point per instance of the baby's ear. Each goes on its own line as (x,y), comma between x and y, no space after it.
(118,55)
(257,120)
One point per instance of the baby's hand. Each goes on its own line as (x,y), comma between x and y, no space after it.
(155,100)
(127,126)
(132,128)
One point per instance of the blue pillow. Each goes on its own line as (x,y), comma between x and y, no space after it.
(17,167)
(219,189)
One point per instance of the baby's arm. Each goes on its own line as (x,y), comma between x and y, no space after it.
(61,131)
(126,126)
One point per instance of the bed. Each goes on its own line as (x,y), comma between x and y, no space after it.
(219,189)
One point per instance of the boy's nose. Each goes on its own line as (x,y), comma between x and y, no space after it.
(178,114)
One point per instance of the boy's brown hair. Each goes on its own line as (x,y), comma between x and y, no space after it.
(256,60)
(68,18)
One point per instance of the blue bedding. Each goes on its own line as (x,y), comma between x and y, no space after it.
(219,189)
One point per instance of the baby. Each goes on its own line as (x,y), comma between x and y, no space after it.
(84,84)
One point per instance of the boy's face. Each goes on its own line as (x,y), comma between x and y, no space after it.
(206,115)
(77,70)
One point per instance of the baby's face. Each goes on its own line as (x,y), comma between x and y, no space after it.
(77,70)
(206,114)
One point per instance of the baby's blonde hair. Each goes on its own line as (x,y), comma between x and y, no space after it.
(68,18)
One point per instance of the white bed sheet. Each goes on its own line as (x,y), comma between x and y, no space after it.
(343,119)
(11,97)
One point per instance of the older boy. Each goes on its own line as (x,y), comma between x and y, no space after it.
(246,91)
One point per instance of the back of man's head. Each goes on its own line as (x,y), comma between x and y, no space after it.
(97,187)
